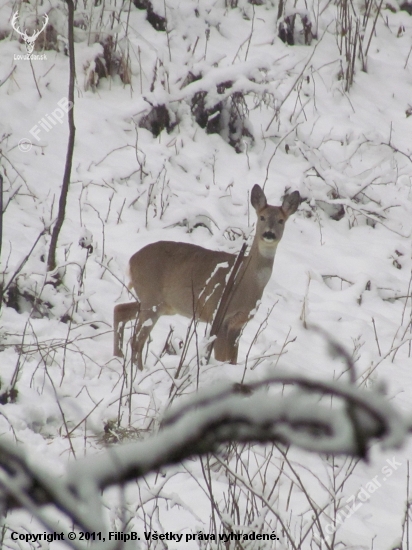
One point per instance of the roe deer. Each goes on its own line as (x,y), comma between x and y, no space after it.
(171,277)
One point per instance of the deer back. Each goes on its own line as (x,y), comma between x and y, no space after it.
(180,278)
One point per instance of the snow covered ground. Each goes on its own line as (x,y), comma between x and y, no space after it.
(283,119)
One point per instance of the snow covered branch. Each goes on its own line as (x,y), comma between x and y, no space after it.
(240,413)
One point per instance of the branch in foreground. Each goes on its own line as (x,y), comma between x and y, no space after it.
(199,426)
(212,417)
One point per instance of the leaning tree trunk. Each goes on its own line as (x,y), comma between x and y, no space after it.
(51,261)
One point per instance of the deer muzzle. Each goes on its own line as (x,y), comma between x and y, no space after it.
(269,236)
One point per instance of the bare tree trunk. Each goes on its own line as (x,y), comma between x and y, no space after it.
(51,261)
(1,233)
(1,213)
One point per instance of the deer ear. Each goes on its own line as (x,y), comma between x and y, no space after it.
(290,203)
(258,198)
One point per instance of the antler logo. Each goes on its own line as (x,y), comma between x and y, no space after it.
(29,40)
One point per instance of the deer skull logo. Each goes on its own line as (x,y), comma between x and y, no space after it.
(29,40)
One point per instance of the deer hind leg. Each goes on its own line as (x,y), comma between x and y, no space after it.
(143,327)
(227,341)
(122,313)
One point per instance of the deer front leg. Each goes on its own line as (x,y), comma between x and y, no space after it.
(226,347)
(227,341)
(122,313)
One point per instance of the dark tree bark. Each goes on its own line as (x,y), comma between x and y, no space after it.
(1,213)
(51,261)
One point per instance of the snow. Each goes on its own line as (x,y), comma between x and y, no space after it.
(351,277)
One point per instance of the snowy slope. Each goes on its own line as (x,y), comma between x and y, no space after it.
(346,151)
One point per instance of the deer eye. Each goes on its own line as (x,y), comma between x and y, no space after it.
(281,222)
(262,218)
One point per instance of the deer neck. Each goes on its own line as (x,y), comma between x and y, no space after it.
(258,265)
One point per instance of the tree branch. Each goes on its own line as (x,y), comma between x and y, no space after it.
(199,426)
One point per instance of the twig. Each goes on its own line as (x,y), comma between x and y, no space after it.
(372,31)
(275,151)
(297,78)
(376,337)
(8,76)
(23,262)
(285,530)
(35,80)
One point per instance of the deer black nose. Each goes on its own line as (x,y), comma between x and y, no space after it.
(269,236)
